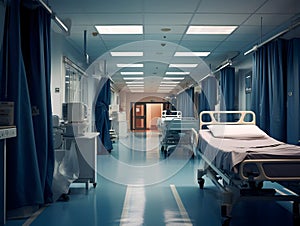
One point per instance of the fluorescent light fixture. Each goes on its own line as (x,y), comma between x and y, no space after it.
(167,85)
(215,30)
(183,65)
(164,91)
(61,24)
(177,73)
(170,82)
(135,82)
(200,54)
(127,54)
(119,29)
(130,65)
(137,91)
(132,73)
(136,88)
(135,85)
(165,88)
(133,78)
(173,78)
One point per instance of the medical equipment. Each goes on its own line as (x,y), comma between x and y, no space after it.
(74,115)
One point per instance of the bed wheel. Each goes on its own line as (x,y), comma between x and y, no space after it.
(201,183)
(64,197)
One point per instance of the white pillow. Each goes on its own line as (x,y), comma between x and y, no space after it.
(236,131)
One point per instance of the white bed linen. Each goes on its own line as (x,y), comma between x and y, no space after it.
(226,153)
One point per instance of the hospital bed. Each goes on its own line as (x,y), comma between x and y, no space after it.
(166,117)
(177,132)
(239,157)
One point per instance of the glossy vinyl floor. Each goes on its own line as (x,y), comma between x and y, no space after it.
(137,185)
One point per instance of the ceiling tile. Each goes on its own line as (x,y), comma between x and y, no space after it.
(219,19)
(281,7)
(267,19)
(230,6)
(104,19)
(163,19)
(203,45)
(93,6)
(170,6)
(204,37)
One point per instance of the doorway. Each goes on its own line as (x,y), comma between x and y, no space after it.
(140,112)
(144,115)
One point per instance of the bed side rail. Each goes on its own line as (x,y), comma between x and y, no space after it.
(271,170)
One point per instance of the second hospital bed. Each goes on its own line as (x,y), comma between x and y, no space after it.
(238,157)
(177,133)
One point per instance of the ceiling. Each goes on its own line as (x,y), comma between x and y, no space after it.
(257,20)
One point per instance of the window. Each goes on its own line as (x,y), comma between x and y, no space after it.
(75,83)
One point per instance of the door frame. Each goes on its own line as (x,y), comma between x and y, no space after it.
(132,112)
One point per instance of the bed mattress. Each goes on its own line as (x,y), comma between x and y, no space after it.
(228,153)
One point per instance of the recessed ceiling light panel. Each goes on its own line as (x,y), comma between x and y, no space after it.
(210,30)
(135,82)
(132,73)
(167,85)
(135,85)
(133,78)
(170,82)
(130,65)
(119,29)
(177,73)
(200,54)
(127,54)
(183,65)
(173,78)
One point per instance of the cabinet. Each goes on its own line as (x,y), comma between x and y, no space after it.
(87,158)
(121,128)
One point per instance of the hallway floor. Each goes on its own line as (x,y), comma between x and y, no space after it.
(137,185)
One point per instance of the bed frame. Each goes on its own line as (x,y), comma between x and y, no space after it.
(238,186)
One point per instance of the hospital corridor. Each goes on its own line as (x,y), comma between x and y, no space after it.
(150,113)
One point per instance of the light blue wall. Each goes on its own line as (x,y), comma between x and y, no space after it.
(60,48)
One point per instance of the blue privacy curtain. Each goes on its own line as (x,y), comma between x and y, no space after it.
(25,68)
(293,94)
(208,95)
(102,113)
(268,89)
(185,102)
(227,88)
